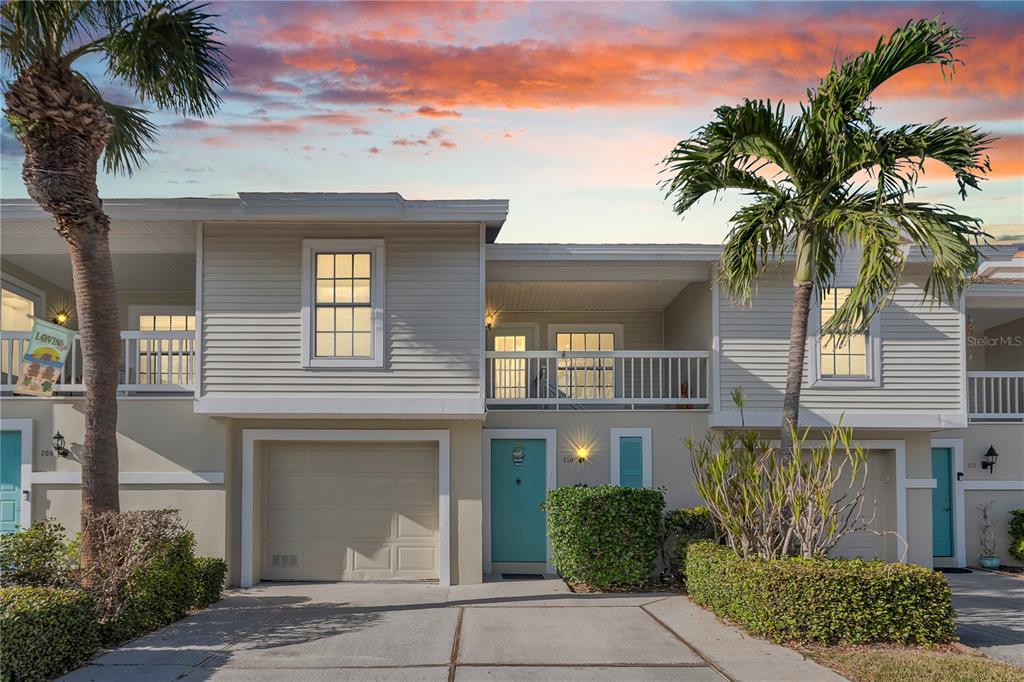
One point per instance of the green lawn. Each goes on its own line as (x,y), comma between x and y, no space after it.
(903,664)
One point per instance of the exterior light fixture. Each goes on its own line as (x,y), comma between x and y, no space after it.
(58,445)
(988,460)
(61,317)
(489,319)
(582,453)
(518,455)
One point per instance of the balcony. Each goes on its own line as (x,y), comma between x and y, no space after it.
(153,363)
(995,396)
(591,379)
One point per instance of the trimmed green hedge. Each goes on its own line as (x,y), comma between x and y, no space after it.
(830,601)
(210,573)
(161,592)
(1017,533)
(682,528)
(46,631)
(605,537)
(35,556)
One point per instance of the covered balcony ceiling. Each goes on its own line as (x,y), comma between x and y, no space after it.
(583,296)
(132,271)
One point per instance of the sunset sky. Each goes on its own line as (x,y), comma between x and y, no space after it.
(566,109)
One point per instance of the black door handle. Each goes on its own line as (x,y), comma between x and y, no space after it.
(518,480)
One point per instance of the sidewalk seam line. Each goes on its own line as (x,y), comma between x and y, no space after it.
(455,645)
(711,664)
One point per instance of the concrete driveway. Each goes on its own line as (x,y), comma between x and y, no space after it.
(504,630)
(990,613)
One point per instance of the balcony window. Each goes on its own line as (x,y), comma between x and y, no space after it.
(586,378)
(168,360)
(509,380)
(343,298)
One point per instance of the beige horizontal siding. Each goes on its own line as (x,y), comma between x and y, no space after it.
(252,327)
(919,353)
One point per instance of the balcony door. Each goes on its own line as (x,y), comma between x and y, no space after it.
(580,376)
(164,360)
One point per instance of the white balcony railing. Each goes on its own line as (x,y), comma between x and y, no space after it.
(151,362)
(995,395)
(578,379)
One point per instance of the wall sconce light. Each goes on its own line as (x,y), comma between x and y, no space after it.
(988,460)
(58,445)
(490,318)
(582,454)
(61,317)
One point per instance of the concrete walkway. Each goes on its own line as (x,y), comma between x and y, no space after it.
(504,630)
(990,613)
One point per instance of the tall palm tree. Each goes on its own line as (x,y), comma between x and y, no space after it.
(829,178)
(167,53)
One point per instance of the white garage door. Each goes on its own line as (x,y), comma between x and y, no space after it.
(350,511)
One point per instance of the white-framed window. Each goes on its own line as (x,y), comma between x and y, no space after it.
(166,358)
(343,303)
(19,301)
(852,359)
(586,378)
(632,462)
(509,380)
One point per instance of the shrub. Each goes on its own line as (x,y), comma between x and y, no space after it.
(830,601)
(605,537)
(146,576)
(210,573)
(1017,533)
(773,502)
(682,527)
(47,631)
(35,556)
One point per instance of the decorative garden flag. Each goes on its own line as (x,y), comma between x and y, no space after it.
(48,347)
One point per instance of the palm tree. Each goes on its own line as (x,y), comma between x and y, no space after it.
(168,54)
(830,177)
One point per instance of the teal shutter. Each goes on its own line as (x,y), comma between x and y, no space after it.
(631,462)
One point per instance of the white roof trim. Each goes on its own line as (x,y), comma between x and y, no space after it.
(355,206)
(604,252)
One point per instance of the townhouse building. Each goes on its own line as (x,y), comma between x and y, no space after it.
(364,387)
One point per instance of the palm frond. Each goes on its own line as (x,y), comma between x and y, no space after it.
(170,55)
(848,85)
(132,135)
(31,32)
(759,235)
(960,148)
(732,152)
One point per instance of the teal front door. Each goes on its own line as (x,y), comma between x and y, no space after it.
(517,491)
(10,481)
(942,502)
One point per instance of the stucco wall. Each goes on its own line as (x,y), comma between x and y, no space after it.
(591,429)
(977,483)
(154,435)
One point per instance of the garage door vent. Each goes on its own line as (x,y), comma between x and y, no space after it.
(284,560)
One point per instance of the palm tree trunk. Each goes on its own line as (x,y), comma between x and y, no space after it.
(96,303)
(64,130)
(802,288)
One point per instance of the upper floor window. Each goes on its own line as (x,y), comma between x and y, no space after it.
(343,303)
(845,359)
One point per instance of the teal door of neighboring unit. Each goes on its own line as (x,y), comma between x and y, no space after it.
(10,481)
(631,462)
(942,502)
(517,491)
